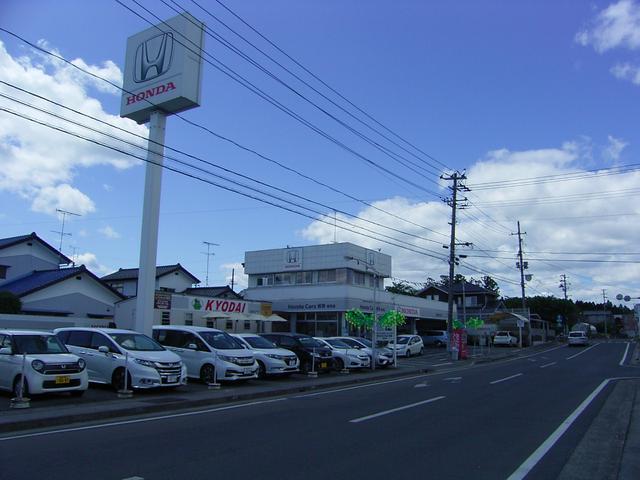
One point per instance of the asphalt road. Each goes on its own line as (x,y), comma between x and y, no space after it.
(475,423)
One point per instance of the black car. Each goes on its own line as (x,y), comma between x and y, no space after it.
(312,353)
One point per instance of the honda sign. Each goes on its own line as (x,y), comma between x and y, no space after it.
(163,68)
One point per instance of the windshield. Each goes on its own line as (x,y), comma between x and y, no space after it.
(136,342)
(576,334)
(402,340)
(336,343)
(502,334)
(310,342)
(221,341)
(366,341)
(38,344)
(259,342)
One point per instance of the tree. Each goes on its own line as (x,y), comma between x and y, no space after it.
(9,303)
(402,288)
(490,284)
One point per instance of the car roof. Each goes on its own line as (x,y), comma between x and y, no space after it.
(24,332)
(191,328)
(95,329)
(287,334)
(244,335)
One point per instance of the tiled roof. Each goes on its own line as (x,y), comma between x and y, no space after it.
(9,241)
(41,279)
(212,291)
(132,273)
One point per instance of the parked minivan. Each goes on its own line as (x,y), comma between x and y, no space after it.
(48,365)
(204,350)
(439,338)
(271,359)
(105,351)
(312,353)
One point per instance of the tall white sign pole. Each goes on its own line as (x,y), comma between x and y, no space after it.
(150,220)
(162,75)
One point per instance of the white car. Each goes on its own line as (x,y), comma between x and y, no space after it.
(578,338)
(272,360)
(408,345)
(48,365)
(206,351)
(384,356)
(505,338)
(107,350)
(345,356)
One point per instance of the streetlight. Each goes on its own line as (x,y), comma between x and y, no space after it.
(368,266)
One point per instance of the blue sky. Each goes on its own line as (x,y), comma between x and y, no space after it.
(501,89)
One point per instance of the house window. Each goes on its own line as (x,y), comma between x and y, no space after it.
(188,318)
(166,318)
(3,272)
(247,324)
(264,280)
(282,279)
(326,276)
(358,278)
(229,325)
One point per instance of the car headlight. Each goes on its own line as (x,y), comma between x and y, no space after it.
(363,357)
(81,364)
(146,363)
(38,365)
(227,358)
(274,355)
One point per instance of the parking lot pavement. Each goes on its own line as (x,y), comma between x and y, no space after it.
(101,402)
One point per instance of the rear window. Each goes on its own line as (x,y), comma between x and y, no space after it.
(577,334)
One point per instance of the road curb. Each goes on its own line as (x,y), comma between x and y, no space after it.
(100,411)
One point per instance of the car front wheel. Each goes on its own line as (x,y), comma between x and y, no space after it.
(207,373)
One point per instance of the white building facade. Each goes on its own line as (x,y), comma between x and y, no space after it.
(312,287)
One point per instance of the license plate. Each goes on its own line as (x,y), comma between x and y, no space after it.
(172,379)
(248,371)
(323,365)
(62,379)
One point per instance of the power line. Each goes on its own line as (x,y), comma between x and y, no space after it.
(309,72)
(228,71)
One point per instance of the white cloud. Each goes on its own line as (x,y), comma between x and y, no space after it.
(239,278)
(612,151)
(626,71)
(90,261)
(595,224)
(109,232)
(618,25)
(37,163)
(107,187)
(63,197)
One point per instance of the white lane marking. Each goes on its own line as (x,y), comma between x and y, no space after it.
(585,350)
(336,390)
(541,451)
(548,365)
(533,359)
(624,357)
(393,410)
(133,478)
(452,379)
(140,420)
(534,354)
(420,385)
(440,364)
(505,379)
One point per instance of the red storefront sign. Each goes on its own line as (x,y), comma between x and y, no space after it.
(459,342)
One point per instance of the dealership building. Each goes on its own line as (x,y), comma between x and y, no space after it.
(312,287)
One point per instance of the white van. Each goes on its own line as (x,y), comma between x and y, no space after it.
(48,365)
(204,349)
(105,350)
(272,360)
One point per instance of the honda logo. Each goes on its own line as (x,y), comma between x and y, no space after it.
(153,57)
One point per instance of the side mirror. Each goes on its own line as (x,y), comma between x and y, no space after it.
(6,351)
(192,346)
(103,349)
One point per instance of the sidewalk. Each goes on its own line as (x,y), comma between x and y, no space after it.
(66,411)
(610,450)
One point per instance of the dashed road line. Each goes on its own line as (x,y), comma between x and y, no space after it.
(548,365)
(583,351)
(398,409)
(505,379)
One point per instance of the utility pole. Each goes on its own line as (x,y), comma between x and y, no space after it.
(604,310)
(456,178)
(564,285)
(522,265)
(208,254)
(233,277)
(64,214)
